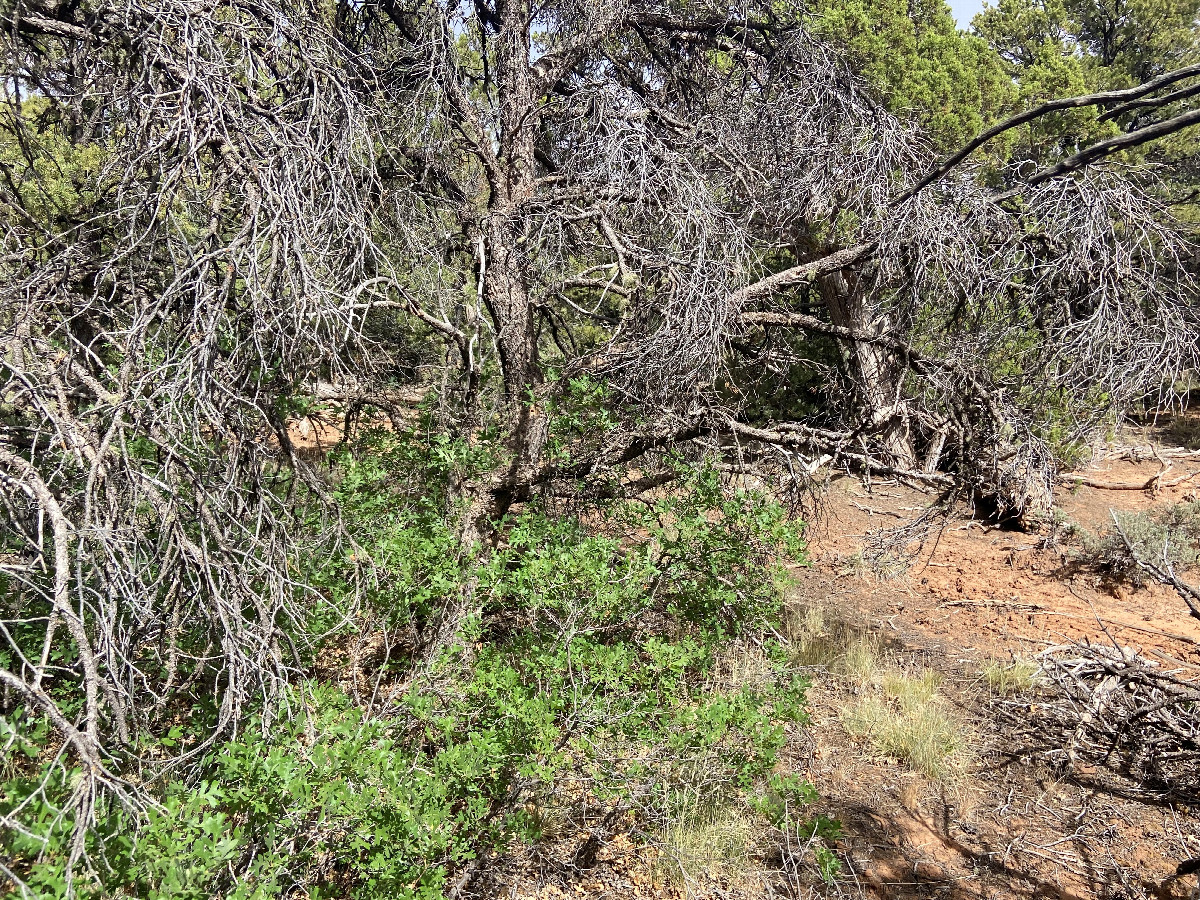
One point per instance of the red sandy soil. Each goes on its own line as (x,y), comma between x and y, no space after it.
(994,592)
(1013,827)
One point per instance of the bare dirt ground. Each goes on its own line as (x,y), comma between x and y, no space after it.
(998,589)
(1013,826)
(1012,823)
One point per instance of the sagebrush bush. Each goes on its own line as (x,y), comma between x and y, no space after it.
(1014,677)
(1172,533)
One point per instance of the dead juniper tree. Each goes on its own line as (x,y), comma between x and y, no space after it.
(184,200)
(208,208)
(683,205)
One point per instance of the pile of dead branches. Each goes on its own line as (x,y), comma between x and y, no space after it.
(1111,706)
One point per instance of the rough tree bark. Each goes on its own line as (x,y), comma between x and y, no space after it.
(877,375)
(505,288)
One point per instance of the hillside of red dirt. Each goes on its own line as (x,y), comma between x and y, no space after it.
(1003,590)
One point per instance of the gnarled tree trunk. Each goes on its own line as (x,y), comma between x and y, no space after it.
(878,377)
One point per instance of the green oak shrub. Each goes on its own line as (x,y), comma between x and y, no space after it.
(581,667)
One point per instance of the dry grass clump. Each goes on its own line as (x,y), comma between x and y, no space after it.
(1014,677)
(904,716)
(861,658)
(809,631)
(742,665)
(819,640)
(806,623)
(705,842)
(901,713)
(879,563)
(911,690)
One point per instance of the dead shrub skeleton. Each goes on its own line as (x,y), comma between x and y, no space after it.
(664,200)
(1107,705)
